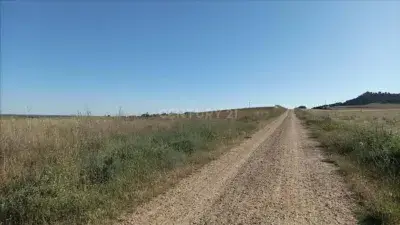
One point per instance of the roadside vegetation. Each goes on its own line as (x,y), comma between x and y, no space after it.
(89,169)
(365,144)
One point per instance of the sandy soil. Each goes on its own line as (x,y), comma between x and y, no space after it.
(276,177)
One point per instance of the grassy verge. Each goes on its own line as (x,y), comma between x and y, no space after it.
(369,157)
(87,173)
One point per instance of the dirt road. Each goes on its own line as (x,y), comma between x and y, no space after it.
(276,177)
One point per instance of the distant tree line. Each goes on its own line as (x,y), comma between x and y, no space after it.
(367,98)
(147,115)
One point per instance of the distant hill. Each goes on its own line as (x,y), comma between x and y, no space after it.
(365,99)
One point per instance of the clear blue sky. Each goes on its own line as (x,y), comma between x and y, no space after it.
(60,57)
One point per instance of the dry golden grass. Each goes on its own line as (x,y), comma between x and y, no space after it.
(23,140)
(388,118)
(84,169)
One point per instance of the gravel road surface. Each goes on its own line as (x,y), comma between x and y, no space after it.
(276,177)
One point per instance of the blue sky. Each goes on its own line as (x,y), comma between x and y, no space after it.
(64,57)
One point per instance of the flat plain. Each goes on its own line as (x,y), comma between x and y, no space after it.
(86,169)
(245,166)
(386,117)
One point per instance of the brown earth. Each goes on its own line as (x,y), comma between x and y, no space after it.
(276,177)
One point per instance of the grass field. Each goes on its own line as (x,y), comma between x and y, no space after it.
(88,169)
(378,106)
(365,144)
(387,118)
